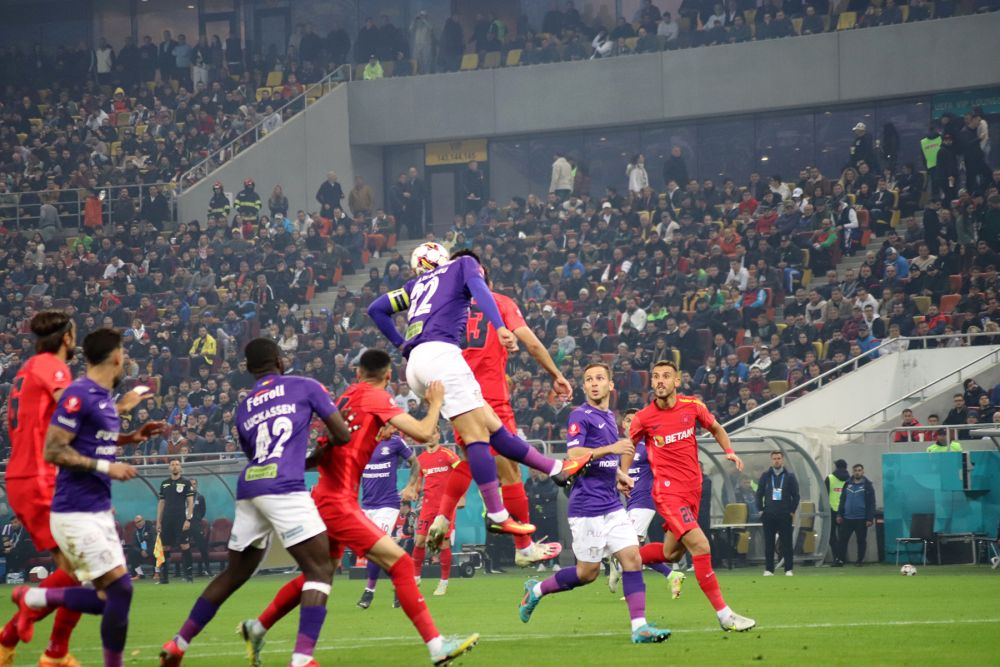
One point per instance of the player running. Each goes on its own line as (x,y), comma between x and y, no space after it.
(597,519)
(82,440)
(667,427)
(438,309)
(31,480)
(273,424)
(436,464)
(487,358)
(379,496)
(336,496)
(641,510)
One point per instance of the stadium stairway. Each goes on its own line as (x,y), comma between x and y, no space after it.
(355,282)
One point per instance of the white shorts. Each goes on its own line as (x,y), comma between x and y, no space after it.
(90,542)
(641,517)
(597,537)
(293,516)
(384,518)
(444,362)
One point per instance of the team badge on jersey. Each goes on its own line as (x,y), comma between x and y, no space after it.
(72,404)
(60,376)
(574,429)
(385,451)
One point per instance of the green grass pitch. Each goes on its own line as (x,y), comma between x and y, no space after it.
(869,616)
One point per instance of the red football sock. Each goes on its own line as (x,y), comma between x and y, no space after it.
(445,563)
(411,600)
(58,579)
(419,554)
(516,502)
(285,601)
(62,628)
(707,580)
(8,636)
(652,553)
(455,488)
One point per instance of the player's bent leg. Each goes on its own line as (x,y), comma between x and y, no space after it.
(701,554)
(312,556)
(442,587)
(565,579)
(634,589)
(457,485)
(509,445)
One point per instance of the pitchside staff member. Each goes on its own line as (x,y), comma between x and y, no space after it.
(199,534)
(174,512)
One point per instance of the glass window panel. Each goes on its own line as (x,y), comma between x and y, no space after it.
(834,137)
(726,149)
(910,118)
(657,143)
(540,155)
(605,156)
(784,144)
(509,172)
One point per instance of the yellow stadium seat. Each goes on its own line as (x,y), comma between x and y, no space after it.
(274,79)
(797,25)
(491,60)
(513,57)
(819,347)
(260,92)
(632,42)
(470,61)
(778,387)
(847,20)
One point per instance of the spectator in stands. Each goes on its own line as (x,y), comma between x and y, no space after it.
(942,443)
(473,187)
(361,199)
(373,69)
(17,546)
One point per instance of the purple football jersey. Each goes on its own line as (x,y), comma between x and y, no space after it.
(88,411)
(642,493)
(378,481)
(273,423)
(594,491)
(439,304)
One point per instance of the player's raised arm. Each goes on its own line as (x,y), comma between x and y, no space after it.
(423,430)
(484,299)
(383,308)
(540,354)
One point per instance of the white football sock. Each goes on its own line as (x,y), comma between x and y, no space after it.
(724,613)
(638,623)
(35,598)
(436,645)
(498,517)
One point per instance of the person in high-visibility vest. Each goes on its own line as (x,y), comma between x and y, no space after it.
(941,443)
(835,487)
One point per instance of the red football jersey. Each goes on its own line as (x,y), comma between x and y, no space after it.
(341,467)
(29,412)
(434,469)
(484,353)
(670,443)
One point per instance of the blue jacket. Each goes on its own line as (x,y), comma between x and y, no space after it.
(858,500)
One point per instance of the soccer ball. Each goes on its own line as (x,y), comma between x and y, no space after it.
(427,257)
(907,570)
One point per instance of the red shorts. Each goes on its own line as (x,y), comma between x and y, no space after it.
(347,526)
(31,500)
(506,415)
(679,511)
(427,517)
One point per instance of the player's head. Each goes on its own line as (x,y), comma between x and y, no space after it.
(597,384)
(54,331)
(375,366)
(627,420)
(665,379)
(434,442)
(468,253)
(103,348)
(263,357)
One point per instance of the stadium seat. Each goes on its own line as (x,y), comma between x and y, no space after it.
(819,347)
(949,302)
(847,20)
(470,61)
(778,387)
(492,60)
(275,78)
(632,42)
(922,303)
(955,282)
(744,352)
(513,58)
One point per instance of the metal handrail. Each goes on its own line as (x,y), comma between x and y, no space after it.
(743,420)
(883,411)
(221,156)
(10,202)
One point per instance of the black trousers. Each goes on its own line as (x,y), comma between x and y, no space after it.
(834,536)
(780,526)
(853,527)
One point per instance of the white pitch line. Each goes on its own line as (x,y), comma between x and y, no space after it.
(349,644)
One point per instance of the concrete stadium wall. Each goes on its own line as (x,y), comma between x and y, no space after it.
(298,155)
(832,68)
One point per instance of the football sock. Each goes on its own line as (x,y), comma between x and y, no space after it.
(201,614)
(165,569)
(77,598)
(419,554)
(373,572)
(652,553)
(310,623)
(564,580)
(114,624)
(484,471)
(635,596)
(662,568)
(445,563)
(8,636)
(455,488)
(65,620)
(708,581)
(188,561)
(411,601)
(509,445)
(516,502)
(286,600)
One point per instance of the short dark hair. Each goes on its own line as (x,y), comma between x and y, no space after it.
(98,345)
(776,451)
(465,252)
(49,327)
(857,465)
(262,354)
(374,362)
(630,412)
(666,362)
(598,364)
(840,464)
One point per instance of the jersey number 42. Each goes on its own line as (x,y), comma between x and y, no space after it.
(281,430)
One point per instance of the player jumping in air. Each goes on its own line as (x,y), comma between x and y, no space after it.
(31,481)
(667,427)
(487,358)
(597,519)
(336,496)
(437,304)
(379,496)
(273,424)
(641,510)
(82,440)
(436,465)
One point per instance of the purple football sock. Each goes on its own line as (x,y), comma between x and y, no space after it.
(310,623)
(635,593)
(201,614)
(373,571)
(114,624)
(484,471)
(77,598)
(564,580)
(662,568)
(516,449)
